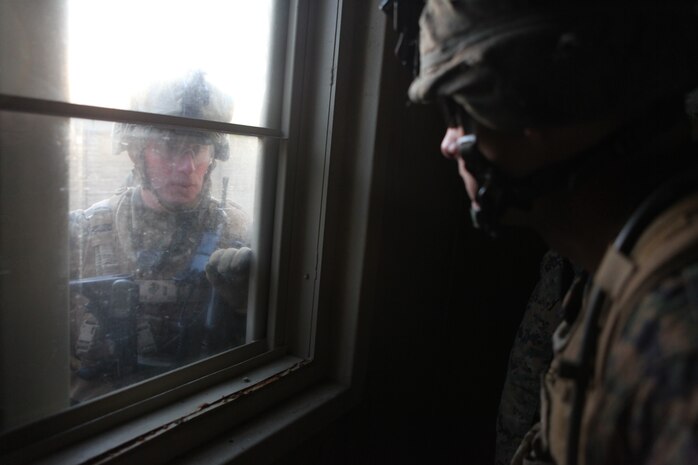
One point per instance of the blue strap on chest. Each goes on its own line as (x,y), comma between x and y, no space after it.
(208,244)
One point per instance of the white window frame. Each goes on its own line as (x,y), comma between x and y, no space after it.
(320,276)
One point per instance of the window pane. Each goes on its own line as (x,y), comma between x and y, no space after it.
(146,207)
(111,47)
(147,222)
(34,347)
(107,228)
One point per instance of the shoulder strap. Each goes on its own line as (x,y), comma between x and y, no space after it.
(647,244)
(670,243)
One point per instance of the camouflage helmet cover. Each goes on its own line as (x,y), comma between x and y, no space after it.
(459,38)
(455,35)
(190,96)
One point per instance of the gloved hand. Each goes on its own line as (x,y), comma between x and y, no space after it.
(228,270)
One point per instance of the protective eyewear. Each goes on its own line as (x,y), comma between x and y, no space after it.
(171,147)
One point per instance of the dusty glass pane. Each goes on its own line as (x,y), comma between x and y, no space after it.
(34,354)
(104,254)
(116,45)
(100,52)
(107,229)
(156,217)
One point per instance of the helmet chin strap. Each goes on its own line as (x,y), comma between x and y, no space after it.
(498,192)
(495,192)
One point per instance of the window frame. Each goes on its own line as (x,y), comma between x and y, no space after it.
(311,368)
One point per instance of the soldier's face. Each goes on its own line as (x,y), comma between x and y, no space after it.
(513,154)
(176,168)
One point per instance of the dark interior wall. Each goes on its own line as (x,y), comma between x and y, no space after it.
(448,304)
(448,301)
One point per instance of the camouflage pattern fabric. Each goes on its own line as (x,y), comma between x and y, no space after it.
(643,399)
(641,402)
(123,224)
(646,408)
(530,356)
(121,236)
(649,411)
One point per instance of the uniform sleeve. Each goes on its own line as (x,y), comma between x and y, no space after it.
(664,417)
(650,412)
(530,356)
(663,425)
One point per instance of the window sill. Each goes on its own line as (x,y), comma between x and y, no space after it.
(270,435)
(226,411)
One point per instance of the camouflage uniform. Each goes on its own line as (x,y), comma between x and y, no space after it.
(623,384)
(530,356)
(156,249)
(641,404)
(650,397)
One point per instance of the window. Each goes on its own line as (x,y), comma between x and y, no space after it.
(138,200)
(70,136)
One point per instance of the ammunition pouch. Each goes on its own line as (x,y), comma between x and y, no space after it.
(111,315)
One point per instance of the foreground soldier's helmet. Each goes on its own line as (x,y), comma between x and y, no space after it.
(190,96)
(521,63)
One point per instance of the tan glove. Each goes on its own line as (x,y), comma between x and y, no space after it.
(228,270)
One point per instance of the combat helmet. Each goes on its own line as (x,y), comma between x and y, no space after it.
(518,64)
(521,63)
(189,96)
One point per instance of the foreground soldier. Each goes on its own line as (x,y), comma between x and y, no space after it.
(579,131)
(148,250)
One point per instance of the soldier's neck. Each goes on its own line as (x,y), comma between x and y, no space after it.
(151,201)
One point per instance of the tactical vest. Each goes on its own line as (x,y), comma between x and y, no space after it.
(573,386)
(177,317)
(166,301)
